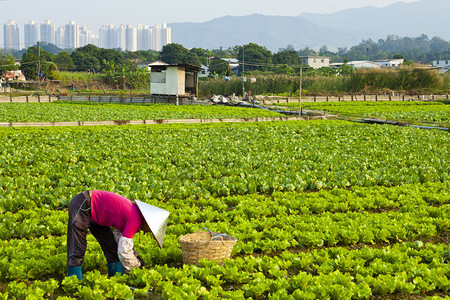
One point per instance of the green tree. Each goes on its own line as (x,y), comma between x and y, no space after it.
(64,61)
(192,58)
(218,67)
(30,61)
(202,54)
(307,52)
(255,57)
(7,63)
(87,58)
(287,57)
(110,55)
(173,53)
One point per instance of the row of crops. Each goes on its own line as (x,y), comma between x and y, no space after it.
(90,111)
(410,111)
(321,209)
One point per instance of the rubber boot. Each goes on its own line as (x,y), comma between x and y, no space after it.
(75,271)
(115,267)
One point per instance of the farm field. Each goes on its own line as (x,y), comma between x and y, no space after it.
(321,209)
(88,111)
(415,111)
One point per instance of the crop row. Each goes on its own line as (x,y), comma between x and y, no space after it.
(260,224)
(435,112)
(44,222)
(145,162)
(335,273)
(64,112)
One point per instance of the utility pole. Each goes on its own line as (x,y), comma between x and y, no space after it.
(243,74)
(39,61)
(300,92)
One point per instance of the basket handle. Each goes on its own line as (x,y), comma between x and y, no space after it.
(216,236)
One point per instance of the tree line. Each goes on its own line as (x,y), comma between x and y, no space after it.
(114,62)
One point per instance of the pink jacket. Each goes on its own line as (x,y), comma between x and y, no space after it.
(110,209)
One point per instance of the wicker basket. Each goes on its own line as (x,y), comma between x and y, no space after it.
(206,244)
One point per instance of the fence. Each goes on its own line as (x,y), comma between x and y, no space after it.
(189,101)
(395,97)
(102,99)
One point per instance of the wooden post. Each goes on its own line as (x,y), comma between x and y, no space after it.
(315,98)
(300,92)
(27,98)
(49,99)
(352,97)
(39,98)
(403,97)
(390,98)
(364,97)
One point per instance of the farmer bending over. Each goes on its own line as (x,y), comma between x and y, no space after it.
(101,210)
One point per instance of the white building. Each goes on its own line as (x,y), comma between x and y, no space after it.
(30,34)
(173,80)
(48,32)
(157,38)
(87,38)
(131,38)
(363,64)
(72,35)
(166,35)
(59,37)
(144,37)
(108,37)
(443,65)
(390,63)
(316,62)
(121,37)
(11,35)
(127,37)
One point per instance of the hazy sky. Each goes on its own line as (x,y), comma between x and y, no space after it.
(94,13)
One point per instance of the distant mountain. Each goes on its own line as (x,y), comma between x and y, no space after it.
(341,29)
(274,32)
(430,17)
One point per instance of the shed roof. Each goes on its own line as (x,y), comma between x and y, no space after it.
(188,67)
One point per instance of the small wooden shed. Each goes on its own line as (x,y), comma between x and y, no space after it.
(179,80)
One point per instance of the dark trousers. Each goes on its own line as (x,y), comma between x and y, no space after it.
(80,220)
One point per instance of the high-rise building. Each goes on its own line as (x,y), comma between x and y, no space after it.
(72,35)
(144,37)
(131,38)
(48,32)
(30,34)
(166,35)
(108,37)
(11,35)
(156,38)
(86,37)
(59,37)
(121,37)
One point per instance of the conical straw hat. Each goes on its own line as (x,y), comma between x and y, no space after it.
(156,219)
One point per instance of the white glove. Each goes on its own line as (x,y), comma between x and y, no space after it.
(126,253)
